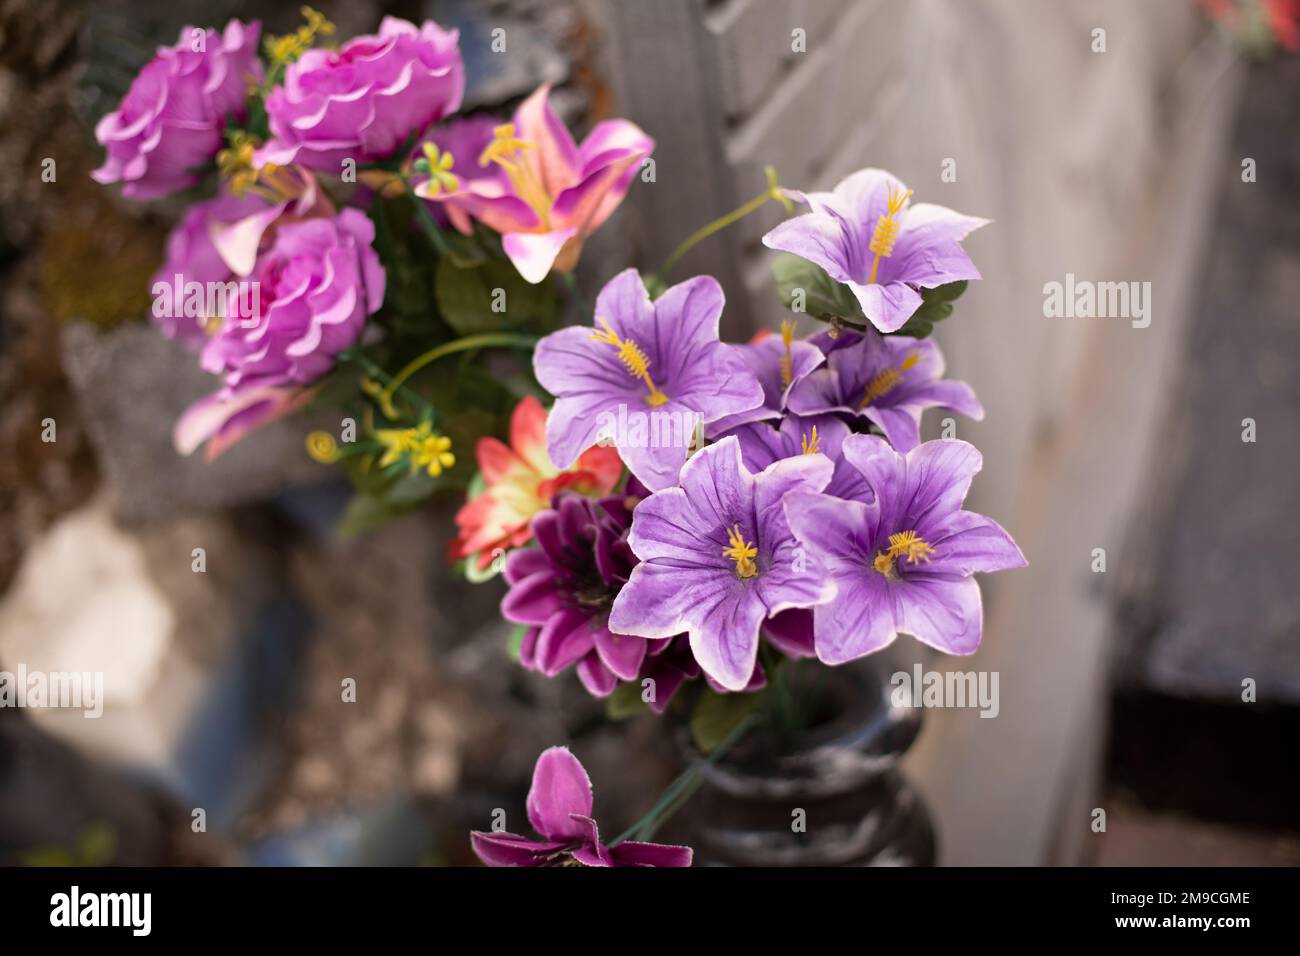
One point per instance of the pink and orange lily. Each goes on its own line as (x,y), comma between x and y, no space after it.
(547,194)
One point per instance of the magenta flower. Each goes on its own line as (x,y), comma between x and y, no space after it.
(171,121)
(779,362)
(317,282)
(564,587)
(192,255)
(902,563)
(761,445)
(887,379)
(559,808)
(218,240)
(547,194)
(647,375)
(718,559)
(866,235)
(364,100)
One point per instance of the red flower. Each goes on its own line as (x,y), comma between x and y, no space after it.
(519,481)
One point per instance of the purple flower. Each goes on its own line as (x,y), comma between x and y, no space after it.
(865,235)
(546,194)
(649,374)
(217,241)
(761,445)
(718,559)
(192,254)
(779,363)
(170,122)
(316,283)
(564,587)
(887,379)
(903,561)
(645,377)
(559,808)
(363,100)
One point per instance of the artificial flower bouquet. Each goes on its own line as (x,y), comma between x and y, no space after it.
(688,518)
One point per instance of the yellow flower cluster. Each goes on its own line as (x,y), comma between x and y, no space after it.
(421,446)
(283,49)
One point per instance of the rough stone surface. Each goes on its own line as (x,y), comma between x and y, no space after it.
(133,384)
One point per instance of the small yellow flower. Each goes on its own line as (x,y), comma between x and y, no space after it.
(421,445)
(438,165)
(322,447)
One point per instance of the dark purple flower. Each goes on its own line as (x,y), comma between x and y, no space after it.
(902,562)
(718,559)
(559,808)
(171,121)
(564,587)
(363,100)
(647,375)
(887,379)
(779,363)
(761,444)
(866,235)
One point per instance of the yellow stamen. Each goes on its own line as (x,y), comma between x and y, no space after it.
(906,544)
(633,358)
(787,359)
(886,232)
(742,552)
(506,150)
(811,446)
(884,382)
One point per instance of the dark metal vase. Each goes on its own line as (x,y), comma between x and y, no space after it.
(827,795)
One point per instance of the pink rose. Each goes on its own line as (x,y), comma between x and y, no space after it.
(171,120)
(313,287)
(364,100)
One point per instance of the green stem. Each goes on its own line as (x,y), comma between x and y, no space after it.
(576,294)
(427,222)
(683,788)
(481,341)
(736,215)
(379,375)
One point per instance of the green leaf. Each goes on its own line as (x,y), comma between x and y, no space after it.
(936,305)
(625,702)
(822,297)
(466,297)
(516,641)
(717,715)
(826,299)
(370,509)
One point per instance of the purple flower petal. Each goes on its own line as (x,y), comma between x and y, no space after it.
(560,791)
(630,853)
(506,849)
